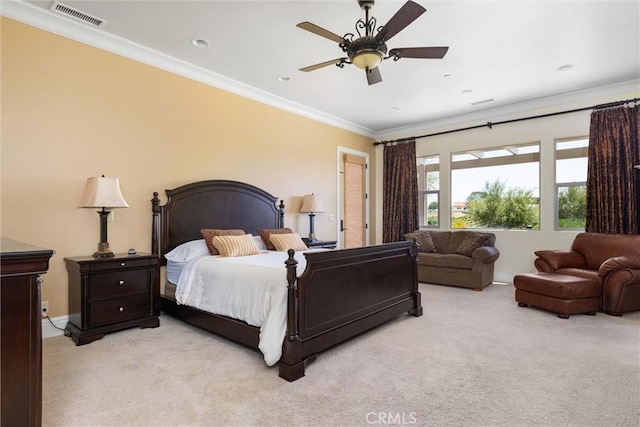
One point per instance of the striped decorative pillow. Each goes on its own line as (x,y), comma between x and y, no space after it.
(265,233)
(284,242)
(209,233)
(233,246)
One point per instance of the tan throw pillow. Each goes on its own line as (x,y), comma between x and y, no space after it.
(470,243)
(232,246)
(266,232)
(284,242)
(425,242)
(209,233)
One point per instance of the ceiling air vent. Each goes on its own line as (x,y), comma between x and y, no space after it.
(77,15)
(484,101)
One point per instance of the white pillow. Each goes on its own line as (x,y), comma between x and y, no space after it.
(188,251)
(260,243)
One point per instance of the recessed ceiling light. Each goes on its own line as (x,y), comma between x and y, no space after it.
(565,67)
(200,42)
(283,78)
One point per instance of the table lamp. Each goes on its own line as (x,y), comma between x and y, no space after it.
(311,205)
(101,192)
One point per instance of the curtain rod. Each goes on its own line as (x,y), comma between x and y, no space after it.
(491,124)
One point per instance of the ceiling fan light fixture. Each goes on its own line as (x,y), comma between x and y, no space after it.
(368,48)
(366,52)
(367,60)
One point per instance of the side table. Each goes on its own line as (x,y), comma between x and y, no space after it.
(111,294)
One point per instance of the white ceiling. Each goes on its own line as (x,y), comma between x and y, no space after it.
(508,51)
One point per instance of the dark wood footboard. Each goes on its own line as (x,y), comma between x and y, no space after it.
(344,293)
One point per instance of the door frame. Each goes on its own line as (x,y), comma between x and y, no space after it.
(339,201)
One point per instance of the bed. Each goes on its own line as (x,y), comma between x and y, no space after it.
(339,294)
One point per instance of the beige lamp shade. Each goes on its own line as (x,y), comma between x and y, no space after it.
(101,192)
(312,204)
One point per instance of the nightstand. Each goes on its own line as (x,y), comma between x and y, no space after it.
(111,294)
(328,244)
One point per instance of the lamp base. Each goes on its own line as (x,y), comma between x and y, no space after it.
(103,251)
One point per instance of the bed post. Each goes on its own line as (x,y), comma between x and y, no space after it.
(291,365)
(281,214)
(417,308)
(155,224)
(155,250)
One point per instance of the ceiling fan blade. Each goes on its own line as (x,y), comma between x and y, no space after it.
(373,76)
(313,28)
(323,64)
(403,17)
(419,52)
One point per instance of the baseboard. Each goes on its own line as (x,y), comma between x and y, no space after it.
(502,283)
(49,331)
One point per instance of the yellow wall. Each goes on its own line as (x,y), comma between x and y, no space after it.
(71,111)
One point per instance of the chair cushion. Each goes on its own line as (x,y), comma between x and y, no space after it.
(455,239)
(596,248)
(454,261)
(440,240)
(428,259)
(580,272)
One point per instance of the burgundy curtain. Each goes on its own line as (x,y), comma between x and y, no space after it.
(400,191)
(612,181)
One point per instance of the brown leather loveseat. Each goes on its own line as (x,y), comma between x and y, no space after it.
(611,260)
(457,258)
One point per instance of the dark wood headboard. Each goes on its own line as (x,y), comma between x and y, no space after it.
(211,204)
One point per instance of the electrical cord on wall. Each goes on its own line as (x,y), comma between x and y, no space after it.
(46,316)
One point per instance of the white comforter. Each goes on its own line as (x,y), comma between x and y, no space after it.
(250,288)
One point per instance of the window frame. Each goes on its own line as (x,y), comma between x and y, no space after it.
(565,154)
(479,160)
(423,194)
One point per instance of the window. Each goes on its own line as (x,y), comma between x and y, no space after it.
(429,190)
(571,187)
(496,187)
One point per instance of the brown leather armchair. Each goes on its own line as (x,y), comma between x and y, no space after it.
(613,260)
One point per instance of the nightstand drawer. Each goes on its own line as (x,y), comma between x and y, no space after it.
(107,285)
(117,310)
(121,264)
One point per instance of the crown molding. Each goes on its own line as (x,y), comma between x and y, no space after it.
(48,21)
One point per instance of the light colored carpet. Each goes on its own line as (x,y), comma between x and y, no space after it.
(472,359)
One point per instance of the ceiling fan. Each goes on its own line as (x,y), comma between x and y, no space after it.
(367,50)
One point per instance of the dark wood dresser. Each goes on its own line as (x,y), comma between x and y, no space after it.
(111,294)
(21,327)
